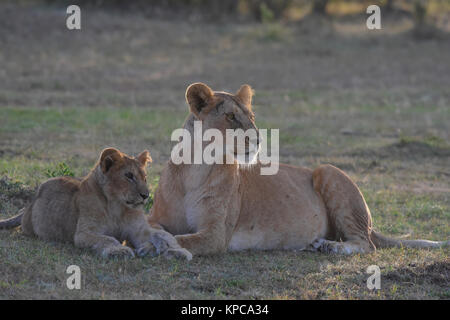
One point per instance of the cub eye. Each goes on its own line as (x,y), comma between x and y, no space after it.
(129,175)
(231,116)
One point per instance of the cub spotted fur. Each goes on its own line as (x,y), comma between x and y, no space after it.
(99,211)
(212,208)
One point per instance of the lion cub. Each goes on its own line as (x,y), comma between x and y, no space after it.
(99,211)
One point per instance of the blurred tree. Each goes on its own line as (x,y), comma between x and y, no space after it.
(320,6)
(389,5)
(420,12)
(222,8)
(261,9)
(423,27)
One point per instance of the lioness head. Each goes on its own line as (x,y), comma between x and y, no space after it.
(222,111)
(124,178)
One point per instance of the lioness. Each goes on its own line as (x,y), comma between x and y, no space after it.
(98,211)
(212,208)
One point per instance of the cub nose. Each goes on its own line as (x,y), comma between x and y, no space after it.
(144,195)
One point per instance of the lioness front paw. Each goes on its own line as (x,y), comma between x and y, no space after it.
(118,252)
(178,254)
(147,249)
(163,241)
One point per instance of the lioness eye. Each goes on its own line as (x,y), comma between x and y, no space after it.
(129,175)
(230,116)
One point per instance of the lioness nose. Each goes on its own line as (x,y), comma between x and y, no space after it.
(144,195)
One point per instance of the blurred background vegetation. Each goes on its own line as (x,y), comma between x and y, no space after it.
(262,10)
(426,14)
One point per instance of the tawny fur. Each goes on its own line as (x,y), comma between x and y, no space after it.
(214,208)
(99,211)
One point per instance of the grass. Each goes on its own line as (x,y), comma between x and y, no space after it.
(349,101)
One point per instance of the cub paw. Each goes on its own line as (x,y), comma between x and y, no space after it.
(118,252)
(180,253)
(163,241)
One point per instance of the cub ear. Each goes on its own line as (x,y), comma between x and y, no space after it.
(108,158)
(245,94)
(198,96)
(144,158)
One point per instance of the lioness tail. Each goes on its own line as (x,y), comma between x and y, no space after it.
(381,241)
(13,221)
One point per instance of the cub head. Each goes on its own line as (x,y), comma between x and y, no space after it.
(222,111)
(124,178)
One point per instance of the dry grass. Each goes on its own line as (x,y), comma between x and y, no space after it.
(375,104)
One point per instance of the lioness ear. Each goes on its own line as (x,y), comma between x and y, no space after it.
(245,93)
(108,158)
(198,96)
(144,158)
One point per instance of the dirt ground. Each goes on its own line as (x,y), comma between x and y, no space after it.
(374,103)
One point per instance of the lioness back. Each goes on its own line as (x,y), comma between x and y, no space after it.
(53,215)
